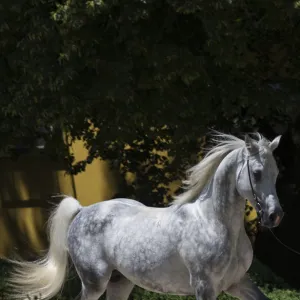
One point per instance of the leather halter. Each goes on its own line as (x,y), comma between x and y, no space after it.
(258,208)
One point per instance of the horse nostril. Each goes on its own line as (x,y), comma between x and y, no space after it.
(272,217)
(275,217)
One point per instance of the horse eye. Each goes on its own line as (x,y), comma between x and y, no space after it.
(257,175)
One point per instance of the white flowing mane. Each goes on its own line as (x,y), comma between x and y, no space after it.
(199,175)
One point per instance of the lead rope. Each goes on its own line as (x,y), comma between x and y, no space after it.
(284,245)
(260,213)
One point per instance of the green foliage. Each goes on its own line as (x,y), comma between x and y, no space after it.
(132,67)
(3,274)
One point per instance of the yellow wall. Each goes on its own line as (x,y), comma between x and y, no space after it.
(97,183)
(25,189)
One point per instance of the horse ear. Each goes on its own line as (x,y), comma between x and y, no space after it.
(251,145)
(274,144)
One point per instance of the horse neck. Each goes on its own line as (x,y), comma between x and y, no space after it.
(224,203)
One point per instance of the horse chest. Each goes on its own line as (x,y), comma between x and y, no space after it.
(239,261)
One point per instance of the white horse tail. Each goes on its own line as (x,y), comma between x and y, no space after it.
(45,277)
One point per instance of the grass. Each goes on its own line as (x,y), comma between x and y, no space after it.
(273,286)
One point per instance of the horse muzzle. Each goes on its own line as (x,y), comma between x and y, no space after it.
(272,218)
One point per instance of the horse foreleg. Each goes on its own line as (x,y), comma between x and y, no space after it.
(246,290)
(119,287)
(203,288)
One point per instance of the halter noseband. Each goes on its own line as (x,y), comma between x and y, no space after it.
(258,208)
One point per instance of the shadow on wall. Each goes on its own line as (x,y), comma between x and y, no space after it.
(26,186)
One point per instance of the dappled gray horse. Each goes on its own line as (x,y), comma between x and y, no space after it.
(197,246)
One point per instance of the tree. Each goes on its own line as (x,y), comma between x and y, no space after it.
(131,66)
(29,90)
(167,70)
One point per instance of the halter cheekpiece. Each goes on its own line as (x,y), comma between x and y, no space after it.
(259,210)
